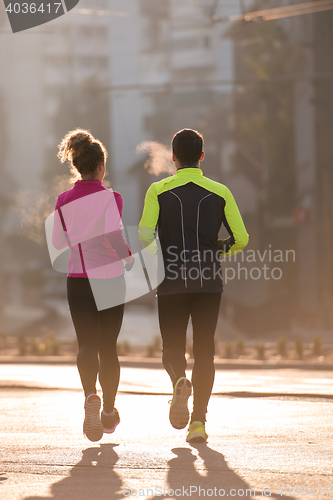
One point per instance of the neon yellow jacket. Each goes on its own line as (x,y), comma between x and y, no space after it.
(188,210)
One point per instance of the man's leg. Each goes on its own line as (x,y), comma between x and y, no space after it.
(204,311)
(173,315)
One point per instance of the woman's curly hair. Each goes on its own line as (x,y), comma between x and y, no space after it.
(83,151)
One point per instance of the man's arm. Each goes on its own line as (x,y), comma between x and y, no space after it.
(234,224)
(148,223)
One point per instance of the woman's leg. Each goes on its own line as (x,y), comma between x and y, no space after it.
(110,321)
(109,325)
(85,319)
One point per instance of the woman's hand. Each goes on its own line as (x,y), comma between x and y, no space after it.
(129,264)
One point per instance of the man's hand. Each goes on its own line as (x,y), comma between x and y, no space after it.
(226,244)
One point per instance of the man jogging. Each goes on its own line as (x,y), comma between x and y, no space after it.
(188,210)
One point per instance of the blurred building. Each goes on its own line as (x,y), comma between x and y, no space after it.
(283,110)
(140,70)
(323,104)
(47,77)
(164,79)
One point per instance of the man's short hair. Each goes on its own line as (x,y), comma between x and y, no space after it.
(187,145)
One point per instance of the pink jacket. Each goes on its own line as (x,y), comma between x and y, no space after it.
(88,220)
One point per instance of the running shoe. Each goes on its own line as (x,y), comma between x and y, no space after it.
(179,413)
(110,422)
(196,433)
(92,425)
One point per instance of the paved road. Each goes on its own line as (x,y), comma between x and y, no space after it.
(254,442)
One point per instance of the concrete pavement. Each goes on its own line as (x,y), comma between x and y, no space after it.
(278,442)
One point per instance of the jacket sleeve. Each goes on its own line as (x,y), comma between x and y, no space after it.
(113,226)
(148,223)
(118,242)
(59,238)
(234,224)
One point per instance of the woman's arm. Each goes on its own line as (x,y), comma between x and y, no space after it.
(59,237)
(113,226)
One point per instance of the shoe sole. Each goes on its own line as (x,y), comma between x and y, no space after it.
(92,425)
(196,438)
(179,414)
(110,431)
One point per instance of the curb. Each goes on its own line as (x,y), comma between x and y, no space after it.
(156,363)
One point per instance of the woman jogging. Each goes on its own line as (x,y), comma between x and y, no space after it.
(88,221)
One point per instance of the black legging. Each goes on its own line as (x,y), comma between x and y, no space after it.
(97,333)
(174,312)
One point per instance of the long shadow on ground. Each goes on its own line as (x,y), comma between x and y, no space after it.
(213,478)
(93,478)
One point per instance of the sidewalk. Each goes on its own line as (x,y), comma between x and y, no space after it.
(154,380)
